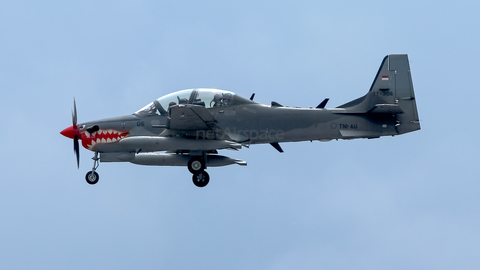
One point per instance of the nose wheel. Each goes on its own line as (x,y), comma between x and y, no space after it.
(92,176)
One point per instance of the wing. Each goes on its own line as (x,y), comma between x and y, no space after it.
(173,144)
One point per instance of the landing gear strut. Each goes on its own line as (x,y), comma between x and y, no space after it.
(197,166)
(92,176)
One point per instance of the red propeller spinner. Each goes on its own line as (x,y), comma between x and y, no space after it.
(69,132)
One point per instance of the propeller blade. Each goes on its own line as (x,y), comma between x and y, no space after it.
(76,149)
(74,115)
(73,132)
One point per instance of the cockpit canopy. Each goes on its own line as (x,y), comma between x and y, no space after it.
(207,97)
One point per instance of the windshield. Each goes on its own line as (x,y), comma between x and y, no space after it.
(206,97)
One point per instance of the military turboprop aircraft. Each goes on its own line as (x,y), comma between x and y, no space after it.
(188,127)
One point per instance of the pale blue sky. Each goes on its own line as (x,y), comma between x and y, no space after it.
(408,202)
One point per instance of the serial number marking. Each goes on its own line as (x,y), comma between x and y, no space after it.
(347,126)
(383,93)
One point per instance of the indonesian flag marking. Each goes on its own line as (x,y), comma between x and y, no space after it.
(385,78)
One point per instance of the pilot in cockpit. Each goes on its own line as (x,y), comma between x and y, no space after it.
(217,100)
(222,99)
(227,99)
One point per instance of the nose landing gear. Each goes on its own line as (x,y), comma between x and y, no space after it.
(92,176)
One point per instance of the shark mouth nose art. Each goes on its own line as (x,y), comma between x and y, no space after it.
(102,136)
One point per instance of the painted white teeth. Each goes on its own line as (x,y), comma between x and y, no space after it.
(115,136)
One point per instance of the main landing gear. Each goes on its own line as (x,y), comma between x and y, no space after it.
(197,166)
(92,176)
(201,179)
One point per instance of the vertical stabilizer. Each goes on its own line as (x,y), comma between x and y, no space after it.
(391,93)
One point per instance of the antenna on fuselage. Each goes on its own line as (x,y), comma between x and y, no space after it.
(322,105)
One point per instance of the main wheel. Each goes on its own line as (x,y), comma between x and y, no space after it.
(196,165)
(92,177)
(201,179)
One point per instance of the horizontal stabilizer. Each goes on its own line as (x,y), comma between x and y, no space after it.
(386,108)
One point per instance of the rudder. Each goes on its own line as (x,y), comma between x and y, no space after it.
(408,121)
